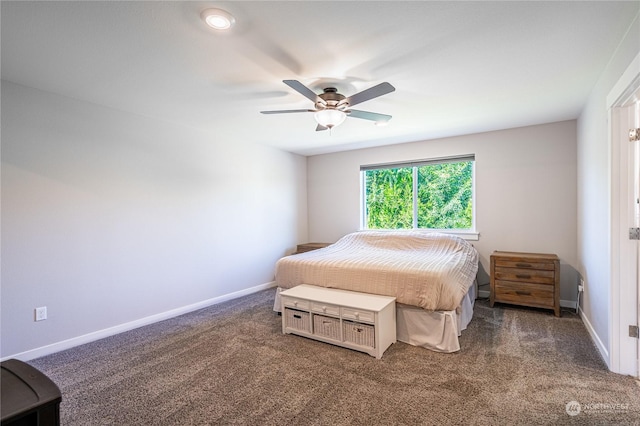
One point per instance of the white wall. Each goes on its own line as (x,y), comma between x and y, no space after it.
(110,217)
(594,194)
(525,188)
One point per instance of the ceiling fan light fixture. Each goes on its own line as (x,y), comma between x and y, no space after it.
(330,118)
(218,19)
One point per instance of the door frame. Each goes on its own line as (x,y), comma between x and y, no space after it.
(623,310)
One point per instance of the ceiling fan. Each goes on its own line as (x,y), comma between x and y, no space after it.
(332,108)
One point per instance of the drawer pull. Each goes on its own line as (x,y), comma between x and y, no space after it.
(324,309)
(523,265)
(523,276)
(523,293)
(357,315)
(296,316)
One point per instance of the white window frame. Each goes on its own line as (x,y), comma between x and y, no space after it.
(467,234)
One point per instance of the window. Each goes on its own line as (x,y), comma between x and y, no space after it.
(428,194)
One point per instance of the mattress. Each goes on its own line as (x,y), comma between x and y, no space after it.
(430,270)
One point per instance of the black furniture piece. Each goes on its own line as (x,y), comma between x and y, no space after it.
(28,397)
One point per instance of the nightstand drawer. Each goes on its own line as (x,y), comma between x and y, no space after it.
(548,266)
(525,275)
(526,294)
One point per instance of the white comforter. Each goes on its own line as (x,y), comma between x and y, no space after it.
(426,269)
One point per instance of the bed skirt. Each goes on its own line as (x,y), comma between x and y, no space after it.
(434,330)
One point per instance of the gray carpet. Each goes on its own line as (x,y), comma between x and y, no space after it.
(230,364)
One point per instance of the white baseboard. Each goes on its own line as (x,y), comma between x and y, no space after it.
(604,353)
(484,294)
(101,334)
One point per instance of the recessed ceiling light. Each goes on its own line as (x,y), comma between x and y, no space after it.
(218,19)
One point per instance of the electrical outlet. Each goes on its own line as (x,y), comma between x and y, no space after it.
(581,286)
(41,313)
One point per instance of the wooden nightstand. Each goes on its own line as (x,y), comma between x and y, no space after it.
(302,248)
(527,279)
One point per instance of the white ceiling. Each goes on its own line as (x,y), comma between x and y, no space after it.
(458,67)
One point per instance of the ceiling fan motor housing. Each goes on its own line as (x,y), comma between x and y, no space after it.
(331,99)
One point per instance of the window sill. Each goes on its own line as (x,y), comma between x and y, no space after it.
(464,234)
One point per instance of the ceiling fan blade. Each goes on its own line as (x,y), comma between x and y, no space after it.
(304,91)
(373,92)
(287,111)
(320,127)
(366,115)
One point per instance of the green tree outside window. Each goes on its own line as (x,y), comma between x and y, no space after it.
(444,198)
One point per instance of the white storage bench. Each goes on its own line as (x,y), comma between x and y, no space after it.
(359,321)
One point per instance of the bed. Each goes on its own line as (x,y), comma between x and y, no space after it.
(431,275)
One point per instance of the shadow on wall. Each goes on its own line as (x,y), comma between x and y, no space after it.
(483,277)
(569,279)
